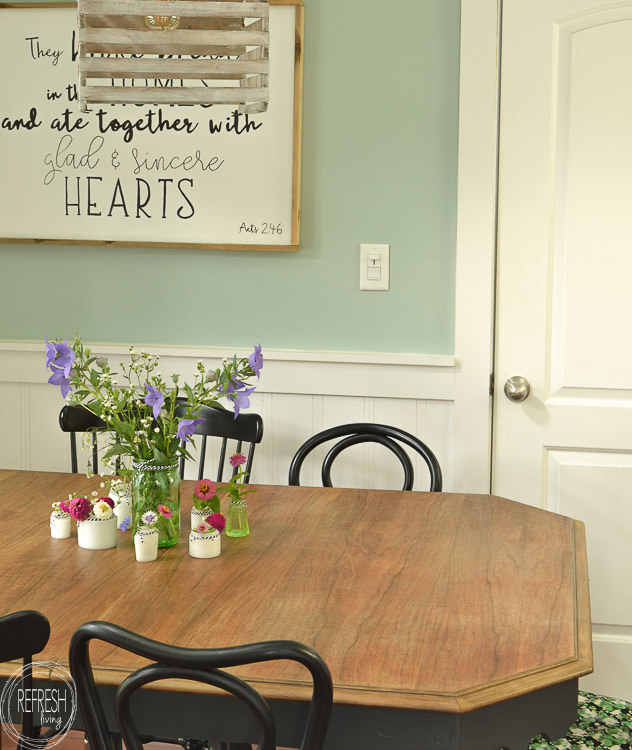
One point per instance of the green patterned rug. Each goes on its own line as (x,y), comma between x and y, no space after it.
(601,723)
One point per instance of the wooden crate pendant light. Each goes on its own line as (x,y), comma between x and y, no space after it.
(196,52)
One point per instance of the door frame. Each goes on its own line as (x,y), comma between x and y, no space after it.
(477,191)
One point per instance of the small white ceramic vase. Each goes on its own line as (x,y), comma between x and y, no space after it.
(199,516)
(97,533)
(60,524)
(146,544)
(122,510)
(122,496)
(205,545)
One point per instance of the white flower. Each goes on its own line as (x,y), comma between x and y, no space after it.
(101,509)
(149,518)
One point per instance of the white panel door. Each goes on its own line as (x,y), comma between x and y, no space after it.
(564,305)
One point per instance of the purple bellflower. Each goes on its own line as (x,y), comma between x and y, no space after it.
(186,428)
(58,378)
(240,399)
(59,356)
(255,360)
(155,399)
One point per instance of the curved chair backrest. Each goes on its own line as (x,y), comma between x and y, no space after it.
(199,665)
(246,427)
(74,418)
(22,635)
(367,432)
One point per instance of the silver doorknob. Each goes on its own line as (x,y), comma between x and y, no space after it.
(517,388)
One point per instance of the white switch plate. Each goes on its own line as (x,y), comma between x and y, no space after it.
(374,267)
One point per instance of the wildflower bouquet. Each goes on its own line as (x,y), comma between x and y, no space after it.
(149,419)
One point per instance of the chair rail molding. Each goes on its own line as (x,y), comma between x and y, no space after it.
(299,394)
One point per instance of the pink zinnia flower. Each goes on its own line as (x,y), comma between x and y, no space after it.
(237,459)
(204,489)
(217,521)
(202,528)
(107,500)
(80,508)
(165,511)
(63,506)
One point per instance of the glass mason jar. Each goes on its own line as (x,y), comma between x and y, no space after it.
(156,487)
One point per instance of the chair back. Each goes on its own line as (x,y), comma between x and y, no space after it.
(74,418)
(367,432)
(198,665)
(22,635)
(245,428)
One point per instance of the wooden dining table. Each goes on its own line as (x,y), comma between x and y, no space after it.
(448,620)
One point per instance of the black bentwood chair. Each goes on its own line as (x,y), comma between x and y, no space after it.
(198,665)
(23,634)
(222,423)
(367,432)
(73,419)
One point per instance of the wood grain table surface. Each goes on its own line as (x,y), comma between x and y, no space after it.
(434,601)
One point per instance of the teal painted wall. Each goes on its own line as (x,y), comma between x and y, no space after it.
(379,165)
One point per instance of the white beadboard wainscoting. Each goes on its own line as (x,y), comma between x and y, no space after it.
(299,393)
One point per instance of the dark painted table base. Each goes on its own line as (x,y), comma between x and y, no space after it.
(510,724)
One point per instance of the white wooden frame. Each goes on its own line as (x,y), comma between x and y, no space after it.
(476,243)
(253,226)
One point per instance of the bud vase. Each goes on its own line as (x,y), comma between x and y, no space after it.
(122,495)
(205,545)
(146,544)
(97,533)
(237,519)
(59,524)
(156,488)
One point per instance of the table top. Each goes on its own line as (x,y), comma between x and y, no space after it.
(435,601)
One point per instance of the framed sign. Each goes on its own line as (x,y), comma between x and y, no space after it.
(196,175)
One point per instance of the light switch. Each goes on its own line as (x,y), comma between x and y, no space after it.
(374,267)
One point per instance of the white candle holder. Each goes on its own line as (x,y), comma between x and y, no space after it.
(146,544)
(205,545)
(60,524)
(97,533)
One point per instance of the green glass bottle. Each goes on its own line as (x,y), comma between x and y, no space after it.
(237,518)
